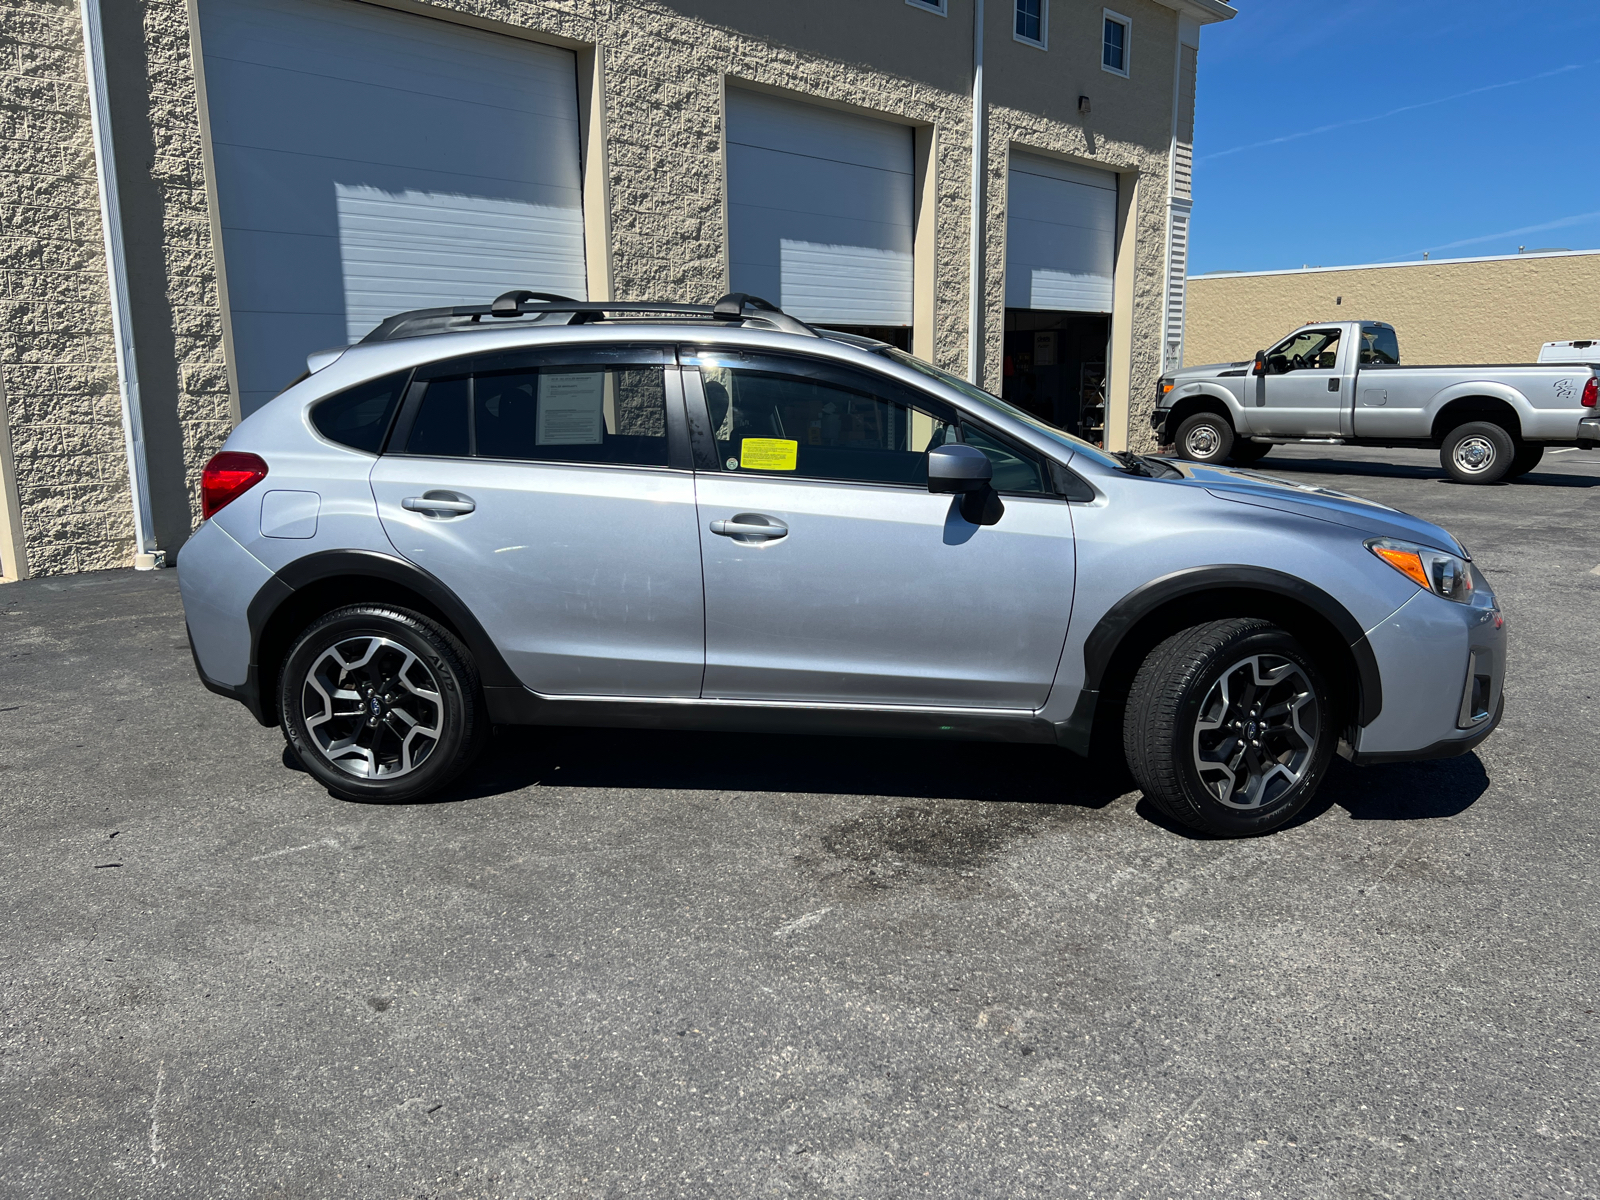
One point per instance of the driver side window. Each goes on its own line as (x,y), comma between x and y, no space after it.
(1309,350)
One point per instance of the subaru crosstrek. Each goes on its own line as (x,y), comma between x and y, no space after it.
(546,512)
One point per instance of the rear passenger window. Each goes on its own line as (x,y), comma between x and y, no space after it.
(563,413)
(573,414)
(359,418)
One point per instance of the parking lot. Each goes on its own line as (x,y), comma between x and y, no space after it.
(639,964)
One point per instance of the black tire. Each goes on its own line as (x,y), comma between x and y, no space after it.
(1526,459)
(1205,437)
(389,660)
(1478,452)
(1246,452)
(1176,717)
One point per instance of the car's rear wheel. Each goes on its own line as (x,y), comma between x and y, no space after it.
(1205,437)
(381,704)
(1230,726)
(1526,459)
(1478,452)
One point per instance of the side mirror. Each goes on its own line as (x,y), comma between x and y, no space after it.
(965,471)
(1261,363)
(958,470)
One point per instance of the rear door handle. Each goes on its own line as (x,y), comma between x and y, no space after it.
(439,505)
(751,527)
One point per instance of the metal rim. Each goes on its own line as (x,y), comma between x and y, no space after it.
(1474,455)
(1202,441)
(1257,730)
(372,707)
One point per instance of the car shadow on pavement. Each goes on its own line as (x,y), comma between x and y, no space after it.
(1411,791)
(730,762)
(1381,470)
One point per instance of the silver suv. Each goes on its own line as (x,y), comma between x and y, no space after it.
(547,512)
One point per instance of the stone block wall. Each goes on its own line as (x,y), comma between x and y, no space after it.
(664,69)
(57,358)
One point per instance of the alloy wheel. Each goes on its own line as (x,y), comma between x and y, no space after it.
(372,707)
(1256,731)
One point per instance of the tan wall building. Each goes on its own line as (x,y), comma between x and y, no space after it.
(1467,311)
(655,197)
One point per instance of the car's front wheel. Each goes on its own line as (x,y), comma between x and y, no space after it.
(1205,437)
(380,703)
(1229,726)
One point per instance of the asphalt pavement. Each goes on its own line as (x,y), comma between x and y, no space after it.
(618,964)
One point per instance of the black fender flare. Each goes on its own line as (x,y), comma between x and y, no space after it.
(1108,633)
(365,564)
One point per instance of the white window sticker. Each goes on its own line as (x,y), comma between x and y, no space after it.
(571,409)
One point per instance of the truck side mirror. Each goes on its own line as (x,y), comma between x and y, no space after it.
(1261,363)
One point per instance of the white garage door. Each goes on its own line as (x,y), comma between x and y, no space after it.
(370,162)
(1061,232)
(819,210)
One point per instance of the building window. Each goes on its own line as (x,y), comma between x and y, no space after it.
(933,6)
(1114,44)
(1033,22)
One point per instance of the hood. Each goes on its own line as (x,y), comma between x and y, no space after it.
(1209,370)
(1320,503)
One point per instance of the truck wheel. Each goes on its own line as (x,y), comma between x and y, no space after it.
(1229,726)
(1477,452)
(1527,458)
(1204,438)
(381,704)
(1246,452)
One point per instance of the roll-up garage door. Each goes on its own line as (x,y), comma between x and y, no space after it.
(369,162)
(819,210)
(1061,231)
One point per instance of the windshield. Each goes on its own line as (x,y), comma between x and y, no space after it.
(972,392)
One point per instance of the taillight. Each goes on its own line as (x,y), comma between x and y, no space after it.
(1591,392)
(228,476)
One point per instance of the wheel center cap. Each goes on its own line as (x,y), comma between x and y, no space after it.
(1251,729)
(375,706)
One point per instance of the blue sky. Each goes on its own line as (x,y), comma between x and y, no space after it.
(1373,130)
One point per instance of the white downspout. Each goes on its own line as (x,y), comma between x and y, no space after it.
(975,315)
(146,557)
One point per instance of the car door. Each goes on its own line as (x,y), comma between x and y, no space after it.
(550,491)
(1304,392)
(832,575)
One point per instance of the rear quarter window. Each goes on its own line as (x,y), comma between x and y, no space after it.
(359,417)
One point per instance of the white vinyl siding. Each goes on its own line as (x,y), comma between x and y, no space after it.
(1061,232)
(370,162)
(819,210)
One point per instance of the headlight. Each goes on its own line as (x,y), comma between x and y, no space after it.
(1442,574)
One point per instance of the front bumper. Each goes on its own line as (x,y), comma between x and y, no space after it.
(1443,667)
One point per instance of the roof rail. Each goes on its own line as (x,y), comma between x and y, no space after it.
(734,307)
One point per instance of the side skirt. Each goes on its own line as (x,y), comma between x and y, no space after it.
(519,706)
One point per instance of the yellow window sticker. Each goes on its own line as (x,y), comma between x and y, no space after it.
(768,454)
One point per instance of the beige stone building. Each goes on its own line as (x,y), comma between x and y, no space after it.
(197,193)
(1466,310)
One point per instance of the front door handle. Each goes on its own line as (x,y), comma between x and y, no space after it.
(1333,385)
(439,505)
(751,527)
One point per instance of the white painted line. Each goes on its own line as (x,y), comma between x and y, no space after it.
(331,843)
(155,1141)
(799,923)
(1594,570)
(1565,450)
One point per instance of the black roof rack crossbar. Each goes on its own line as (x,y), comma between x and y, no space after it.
(736,306)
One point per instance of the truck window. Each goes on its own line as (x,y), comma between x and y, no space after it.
(1379,345)
(1308,350)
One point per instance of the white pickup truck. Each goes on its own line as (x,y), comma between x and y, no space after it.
(1341,382)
